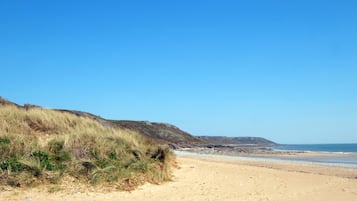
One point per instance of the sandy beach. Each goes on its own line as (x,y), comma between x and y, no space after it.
(220,179)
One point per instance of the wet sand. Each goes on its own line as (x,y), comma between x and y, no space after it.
(220,178)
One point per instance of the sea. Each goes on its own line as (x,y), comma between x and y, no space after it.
(327,148)
(342,155)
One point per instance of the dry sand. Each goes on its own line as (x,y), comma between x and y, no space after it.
(219,179)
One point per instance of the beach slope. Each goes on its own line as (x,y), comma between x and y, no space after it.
(221,179)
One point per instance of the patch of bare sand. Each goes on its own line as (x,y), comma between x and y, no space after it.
(221,179)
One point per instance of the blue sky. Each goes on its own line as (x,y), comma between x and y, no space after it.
(284,70)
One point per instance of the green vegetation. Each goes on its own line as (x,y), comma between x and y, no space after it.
(40,146)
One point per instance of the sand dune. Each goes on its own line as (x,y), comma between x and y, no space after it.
(222,179)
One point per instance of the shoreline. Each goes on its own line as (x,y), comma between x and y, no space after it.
(308,151)
(284,165)
(332,159)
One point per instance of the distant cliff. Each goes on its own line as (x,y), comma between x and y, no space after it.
(221,140)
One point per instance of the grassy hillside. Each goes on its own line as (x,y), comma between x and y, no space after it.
(40,146)
(161,132)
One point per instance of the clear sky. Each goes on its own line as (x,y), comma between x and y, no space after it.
(284,70)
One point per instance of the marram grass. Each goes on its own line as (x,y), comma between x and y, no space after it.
(41,146)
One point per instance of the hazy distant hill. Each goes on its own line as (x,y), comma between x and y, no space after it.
(221,140)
